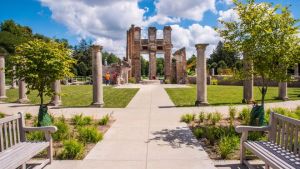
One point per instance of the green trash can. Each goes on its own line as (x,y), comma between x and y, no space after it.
(257,116)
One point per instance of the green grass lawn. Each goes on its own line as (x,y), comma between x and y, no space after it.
(224,95)
(81,95)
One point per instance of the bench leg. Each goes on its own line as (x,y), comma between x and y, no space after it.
(23,166)
(50,149)
(242,148)
(267,166)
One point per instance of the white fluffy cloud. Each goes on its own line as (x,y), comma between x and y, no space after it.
(229,15)
(194,34)
(227,2)
(106,21)
(187,9)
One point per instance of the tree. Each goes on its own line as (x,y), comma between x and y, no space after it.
(82,69)
(40,64)
(191,63)
(267,37)
(144,66)
(160,66)
(222,54)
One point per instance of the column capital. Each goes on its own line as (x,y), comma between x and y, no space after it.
(97,47)
(201,45)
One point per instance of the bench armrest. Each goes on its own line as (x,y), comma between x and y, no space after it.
(50,129)
(241,129)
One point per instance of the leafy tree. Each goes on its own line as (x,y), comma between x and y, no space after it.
(160,66)
(110,58)
(267,37)
(191,63)
(144,66)
(40,64)
(81,53)
(82,69)
(222,54)
(222,64)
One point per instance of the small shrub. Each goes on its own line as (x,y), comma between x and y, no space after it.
(35,136)
(61,118)
(2,115)
(187,118)
(201,117)
(72,149)
(167,81)
(104,120)
(227,145)
(28,116)
(62,132)
(214,81)
(216,117)
(244,115)
(232,112)
(132,80)
(89,135)
(209,116)
(35,121)
(198,132)
(80,120)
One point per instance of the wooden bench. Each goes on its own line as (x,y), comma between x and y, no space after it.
(15,151)
(282,150)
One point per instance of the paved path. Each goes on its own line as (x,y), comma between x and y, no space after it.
(146,135)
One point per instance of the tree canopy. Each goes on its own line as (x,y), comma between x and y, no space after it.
(41,63)
(267,37)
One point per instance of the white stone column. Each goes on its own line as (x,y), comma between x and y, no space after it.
(201,75)
(22,92)
(282,91)
(2,77)
(97,76)
(56,99)
(248,82)
(296,70)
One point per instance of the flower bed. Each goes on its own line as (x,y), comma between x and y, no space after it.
(217,135)
(74,138)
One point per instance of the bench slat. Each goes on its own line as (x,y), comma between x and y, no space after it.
(275,160)
(9,118)
(20,153)
(10,134)
(14,131)
(5,136)
(18,131)
(1,138)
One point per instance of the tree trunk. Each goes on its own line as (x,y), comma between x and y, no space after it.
(263,95)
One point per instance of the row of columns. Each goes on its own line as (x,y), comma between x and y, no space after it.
(56,99)
(201,80)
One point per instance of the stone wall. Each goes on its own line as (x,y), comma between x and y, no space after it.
(229,80)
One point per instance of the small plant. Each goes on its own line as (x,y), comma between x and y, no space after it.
(89,135)
(244,115)
(62,132)
(198,132)
(187,118)
(167,81)
(104,120)
(61,118)
(232,114)
(216,117)
(132,80)
(214,81)
(72,149)
(227,145)
(28,116)
(201,117)
(80,120)
(209,116)
(35,136)
(2,115)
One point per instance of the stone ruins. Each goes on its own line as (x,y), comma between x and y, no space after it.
(136,46)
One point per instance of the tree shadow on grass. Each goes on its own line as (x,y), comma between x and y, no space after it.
(176,138)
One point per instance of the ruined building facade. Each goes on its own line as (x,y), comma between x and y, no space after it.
(152,46)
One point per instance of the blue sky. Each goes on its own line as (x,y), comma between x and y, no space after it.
(106,21)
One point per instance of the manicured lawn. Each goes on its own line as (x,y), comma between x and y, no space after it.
(81,95)
(224,95)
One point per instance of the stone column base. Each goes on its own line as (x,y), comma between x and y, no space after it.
(247,101)
(23,101)
(200,103)
(3,97)
(52,103)
(284,98)
(97,105)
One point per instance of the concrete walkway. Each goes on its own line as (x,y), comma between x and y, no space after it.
(147,134)
(145,137)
